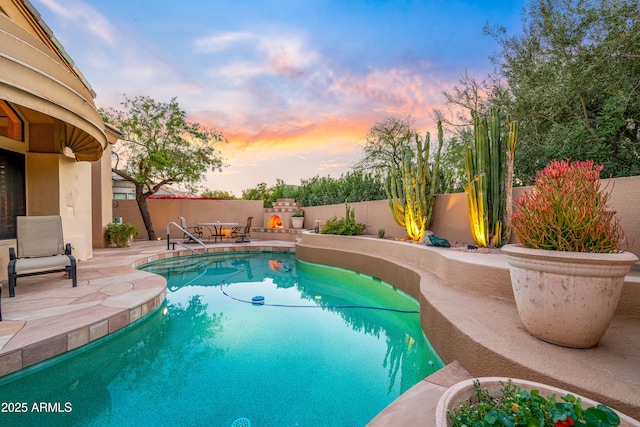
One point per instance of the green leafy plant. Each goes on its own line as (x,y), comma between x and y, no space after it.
(298,214)
(346,226)
(120,235)
(566,210)
(521,408)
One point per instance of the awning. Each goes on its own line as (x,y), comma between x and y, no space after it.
(33,76)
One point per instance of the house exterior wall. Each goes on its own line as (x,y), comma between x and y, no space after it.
(101,198)
(43,184)
(57,185)
(75,206)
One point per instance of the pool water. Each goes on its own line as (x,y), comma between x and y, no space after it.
(324,347)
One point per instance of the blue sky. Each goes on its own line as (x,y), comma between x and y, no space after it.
(293,84)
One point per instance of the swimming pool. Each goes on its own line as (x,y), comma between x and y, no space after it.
(318,346)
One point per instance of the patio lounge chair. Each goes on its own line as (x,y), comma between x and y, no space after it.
(243,234)
(41,250)
(195,231)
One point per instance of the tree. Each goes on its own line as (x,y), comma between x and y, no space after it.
(356,186)
(268,195)
(452,162)
(468,98)
(259,192)
(385,145)
(573,83)
(218,194)
(160,147)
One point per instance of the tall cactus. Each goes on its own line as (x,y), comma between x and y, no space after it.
(410,189)
(489,168)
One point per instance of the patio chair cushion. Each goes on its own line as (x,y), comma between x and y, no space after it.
(24,265)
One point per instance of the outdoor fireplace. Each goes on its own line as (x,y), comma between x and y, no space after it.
(279,216)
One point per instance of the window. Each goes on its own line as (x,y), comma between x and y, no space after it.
(11,125)
(12,192)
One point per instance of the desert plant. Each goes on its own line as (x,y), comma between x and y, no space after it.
(566,210)
(120,235)
(346,226)
(410,188)
(489,180)
(381,233)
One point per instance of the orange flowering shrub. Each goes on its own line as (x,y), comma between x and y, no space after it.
(566,210)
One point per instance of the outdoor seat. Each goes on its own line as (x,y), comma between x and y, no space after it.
(241,235)
(41,250)
(195,231)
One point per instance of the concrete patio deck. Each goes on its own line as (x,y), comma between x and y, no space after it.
(48,317)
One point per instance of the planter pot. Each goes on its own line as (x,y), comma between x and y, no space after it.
(297,221)
(567,298)
(464,390)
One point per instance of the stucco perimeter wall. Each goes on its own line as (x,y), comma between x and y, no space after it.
(450,214)
(451,217)
(164,211)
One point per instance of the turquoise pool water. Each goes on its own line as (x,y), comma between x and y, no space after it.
(311,355)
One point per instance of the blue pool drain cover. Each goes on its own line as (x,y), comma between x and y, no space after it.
(241,422)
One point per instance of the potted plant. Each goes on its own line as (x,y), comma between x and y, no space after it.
(297,219)
(120,235)
(494,401)
(568,271)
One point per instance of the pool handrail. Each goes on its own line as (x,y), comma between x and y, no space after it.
(191,236)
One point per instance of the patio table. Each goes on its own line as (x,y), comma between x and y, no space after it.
(216,229)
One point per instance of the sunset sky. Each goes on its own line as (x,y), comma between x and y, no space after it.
(293,84)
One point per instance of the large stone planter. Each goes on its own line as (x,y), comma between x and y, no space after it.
(297,221)
(567,298)
(464,390)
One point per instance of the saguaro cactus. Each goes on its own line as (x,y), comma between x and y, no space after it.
(489,168)
(411,190)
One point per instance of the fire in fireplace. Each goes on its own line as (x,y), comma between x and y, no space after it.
(275,222)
